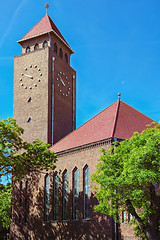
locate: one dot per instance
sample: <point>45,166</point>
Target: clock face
<point>63,83</point>
<point>30,77</point>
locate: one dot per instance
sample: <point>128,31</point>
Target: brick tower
<point>44,84</point>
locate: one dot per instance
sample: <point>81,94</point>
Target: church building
<point>59,205</point>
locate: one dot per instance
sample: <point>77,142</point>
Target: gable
<point>118,120</point>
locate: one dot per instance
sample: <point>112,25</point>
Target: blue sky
<point>116,45</point>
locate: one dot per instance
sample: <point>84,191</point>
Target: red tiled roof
<point>43,26</point>
<point>118,120</point>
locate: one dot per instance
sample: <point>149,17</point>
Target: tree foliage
<point>5,206</point>
<point>128,177</point>
<point>18,157</point>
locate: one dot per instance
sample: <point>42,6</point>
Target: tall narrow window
<point>86,192</point>
<point>26,187</point>
<point>56,197</point>
<point>29,120</point>
<point>47,196</point>
<point>65,195</point>
<point>75,193</point>
<point>66,58</point>
<point>28,49</point>
<point>36,47</point>
<point>60,53</point>
<point>55,47</point>
<point>45,44</point>
<point>124,216</point>
<point>20,185</point>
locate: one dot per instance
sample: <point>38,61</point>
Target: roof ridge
<point>84,124</point>
<point>116,118</point>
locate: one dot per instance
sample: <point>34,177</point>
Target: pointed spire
<point>46,6</point>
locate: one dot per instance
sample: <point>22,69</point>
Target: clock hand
<point>62,81</point>
<point>28,76</point>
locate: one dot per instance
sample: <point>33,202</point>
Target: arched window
<point>65,195</point>
<point>60,53</point>
<point>55,197</point>
<point>28,49</point>
<point>55,47</point>
<point>36,47</point>
<point>66,58</point>
<point>26,187</point>
<point>45,44</point>
<point>20,219</point>
<point>29,120</point>
<point>20,185</point>
<point>30,100</point>
<point>20,202</point>
<point>86,177</point>
<point>47,196</point>
<point>75,193</point>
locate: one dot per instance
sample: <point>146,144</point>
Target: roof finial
<point>119,96</point>
<point>46,6</point>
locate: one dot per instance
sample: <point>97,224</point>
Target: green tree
<point>18,157</point>
<point>5,206</point>
<point>128,177</point>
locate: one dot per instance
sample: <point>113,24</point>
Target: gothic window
<point>75,193</point>
<point>60,53</point>
<point>36,47</point>
<point>130,217</point>
<point>55,47</point>
<point>20,202</point>
<point>56,197</point>
<point>45,44</point>
<point>124,216</point>
<point>29,120</point>
<point>86,177</point>
<point>25,219</point>
<point>28,49</point>
<point>47,196</point>
<point>26,203</point>
<point>30,100</point>
<point>26,185</point>
<point>20,219</point>
<point>65,194</point>
<point>20,185</point>
<point>66,58</point>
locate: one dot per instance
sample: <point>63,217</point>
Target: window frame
<point>65,198</point>
<point>56,197</point>
<point>75,214</point>
<point>86,191</point>
<point>46,197</point>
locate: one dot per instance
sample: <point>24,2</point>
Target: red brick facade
<point>45,106</point>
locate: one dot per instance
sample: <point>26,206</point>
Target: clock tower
<point>44,84</point>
